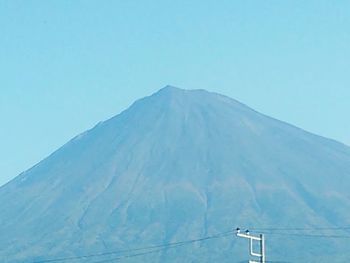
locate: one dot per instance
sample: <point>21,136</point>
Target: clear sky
<point>66,65</point>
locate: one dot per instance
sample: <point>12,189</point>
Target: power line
<point>168,246</point>
<point>301,229</point>
<point>284,232</point>
<point>160,247</point>
<point>157,248</point>
<point>308,235</point>
<point>137,254</point>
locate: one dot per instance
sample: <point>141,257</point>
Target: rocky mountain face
<point>180,165</point>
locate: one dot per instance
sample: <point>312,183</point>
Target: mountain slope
<point>174,166</point>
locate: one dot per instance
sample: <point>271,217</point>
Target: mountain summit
<point>178,165</point>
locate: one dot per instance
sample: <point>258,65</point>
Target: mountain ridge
<point>175,165</point>
<point>169,90</point>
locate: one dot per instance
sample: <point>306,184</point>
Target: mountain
<point>180,165</point>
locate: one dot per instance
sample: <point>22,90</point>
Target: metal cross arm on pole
<point>260,239</point>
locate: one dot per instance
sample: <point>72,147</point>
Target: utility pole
<point>260,239</point>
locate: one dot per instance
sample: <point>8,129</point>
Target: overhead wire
<point>300,231</point>
<point>152,248</point>
<point>141,251</point>
<point>307,235</point>
<point>177,244</point>
<point>300,228</point>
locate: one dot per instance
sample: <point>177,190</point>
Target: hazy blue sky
<point>65,65</point>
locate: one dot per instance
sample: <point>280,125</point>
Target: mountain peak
<point>171,97</point>
<point>169,90</point>
<point>176,165</point>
